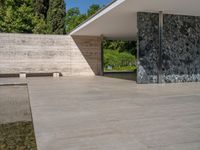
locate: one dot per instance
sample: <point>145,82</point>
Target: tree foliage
<point>118,61</point>
<point>2,2</point>
<point>18,16</point>
<point>30,16</point>
<point>41,8</point>
<point>56,17</point>
<point>75,18</point>
<point>121,46</point>
<point>119,55</point>
<point>93,9</point>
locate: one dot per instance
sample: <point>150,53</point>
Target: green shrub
<point>118,61</point>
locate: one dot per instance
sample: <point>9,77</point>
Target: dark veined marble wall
<point>180,48</point>
<point>148,45</point>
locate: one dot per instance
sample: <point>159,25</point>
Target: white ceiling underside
<point>119,20</point>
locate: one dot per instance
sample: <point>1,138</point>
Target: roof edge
<point>98,14</point>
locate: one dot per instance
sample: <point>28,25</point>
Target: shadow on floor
<point>121,75</point>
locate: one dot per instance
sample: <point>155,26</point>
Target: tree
<point>74,18</point>
<point>121,46</point>
<point>19,16</point>
<point>56,17</point>
<point>2,2</point>
<point>93,9</point>
<point>118,61</point>
<point>41,8</point>
<point>1,11</point>
<point>130,47</point>
<point>40,26</point>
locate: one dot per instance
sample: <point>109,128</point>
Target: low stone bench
<point>54,74</point>
<point>24,74</point>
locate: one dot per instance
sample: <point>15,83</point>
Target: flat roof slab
<point>119,20</point>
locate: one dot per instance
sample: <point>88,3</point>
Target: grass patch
<point>17,136</point>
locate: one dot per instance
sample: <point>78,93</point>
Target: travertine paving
<point>98,113</point>
<point>14,104</point>
<point>16,126</point>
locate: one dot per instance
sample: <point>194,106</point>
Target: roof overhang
<point>119,19</point>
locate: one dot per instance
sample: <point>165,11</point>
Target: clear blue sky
<point>84,4</point>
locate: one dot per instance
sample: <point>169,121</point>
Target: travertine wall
<point>180,48</point>
<point>50,53</point>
